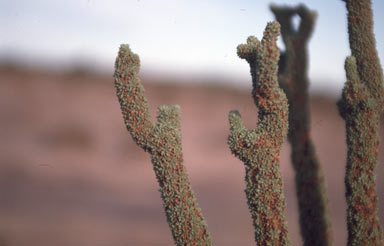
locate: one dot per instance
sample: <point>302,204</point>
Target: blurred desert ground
<point>70,174</point>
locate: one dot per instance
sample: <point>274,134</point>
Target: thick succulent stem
<point>363,46</point>
<point>310,182</point>
<point>361,105</point>
<point>259,148</point>
<point>163,142</point>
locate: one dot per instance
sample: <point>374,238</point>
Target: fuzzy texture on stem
<point>310,182</point>
<point>163,142</point>
<point>259,148</point>
<point>361,104</point>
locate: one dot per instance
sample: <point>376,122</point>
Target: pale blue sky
<point>171,36</point>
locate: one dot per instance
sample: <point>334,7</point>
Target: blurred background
<point>70,173</point>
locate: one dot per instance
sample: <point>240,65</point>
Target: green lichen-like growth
<point>259,148</point>
<point>310,182</point>
<point>162,141</point>
<point>361,104</point>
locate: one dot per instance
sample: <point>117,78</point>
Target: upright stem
<point>259,149</point>
<point>361,105</point>
<point>163,142</point>
<point>310,182</point>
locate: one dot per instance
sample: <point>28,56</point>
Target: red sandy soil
<point>70,174</point>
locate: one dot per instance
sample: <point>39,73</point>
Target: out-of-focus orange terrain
<point>70,174</point>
